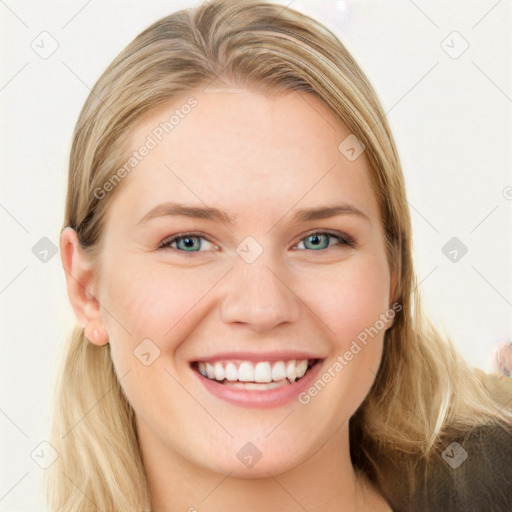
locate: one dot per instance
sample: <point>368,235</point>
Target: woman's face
<point>255,181</point>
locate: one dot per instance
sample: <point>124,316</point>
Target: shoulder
<point>472,473</point>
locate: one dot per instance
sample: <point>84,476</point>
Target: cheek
<point>351,302</point>
<point>351,298</point>
<point>156,302</point>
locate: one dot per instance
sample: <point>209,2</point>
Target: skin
<point>260,158</point>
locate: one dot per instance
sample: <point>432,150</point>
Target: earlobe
<point>80,275</point>
<point>96,334</point>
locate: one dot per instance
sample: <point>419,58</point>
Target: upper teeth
<point>247,371</point>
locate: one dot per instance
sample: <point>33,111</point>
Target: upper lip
<point>284,355</point>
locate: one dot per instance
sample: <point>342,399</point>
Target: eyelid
<point>165,243</point>
<point>344,239</point>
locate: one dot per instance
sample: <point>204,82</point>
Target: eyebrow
<point>214,214</point>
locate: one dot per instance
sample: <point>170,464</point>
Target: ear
<point>81,286</point>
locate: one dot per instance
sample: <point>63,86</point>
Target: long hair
<point>423,391</point>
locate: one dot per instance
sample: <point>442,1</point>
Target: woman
<point>237,249</point>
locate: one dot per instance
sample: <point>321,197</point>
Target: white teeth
<point>256,387</point>
<point>219,371</point>
<point>231,372</point>
<point>278,371</point>
<point>262,372</point>
<point>210,372</point>
<point>301,368</point>
<point>246,372</point>
<point>291,373</point>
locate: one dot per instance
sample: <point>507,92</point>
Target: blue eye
<point>186,242</point>
<point>193,242</point>
<point>321,240</point>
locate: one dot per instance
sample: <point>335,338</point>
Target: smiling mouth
<point>249,375</point>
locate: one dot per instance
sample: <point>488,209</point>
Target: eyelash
<point>341,238</point>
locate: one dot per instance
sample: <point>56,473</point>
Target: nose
<point>257,294</point>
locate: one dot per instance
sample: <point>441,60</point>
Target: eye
<point>320,240</point>
<point>186,242</point>
<point>193,242</point>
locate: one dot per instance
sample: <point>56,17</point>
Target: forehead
<point>246,152</point>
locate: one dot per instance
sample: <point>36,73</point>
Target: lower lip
<point>261,399</point>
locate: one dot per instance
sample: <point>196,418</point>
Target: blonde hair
<point>424,389</point>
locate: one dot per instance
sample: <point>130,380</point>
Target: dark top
<point>472,474</point>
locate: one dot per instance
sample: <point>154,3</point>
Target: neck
<point>326,481</point>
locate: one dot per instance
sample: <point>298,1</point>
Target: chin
<point>258,459</point>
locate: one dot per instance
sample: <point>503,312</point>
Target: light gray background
<point>450,117</point>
